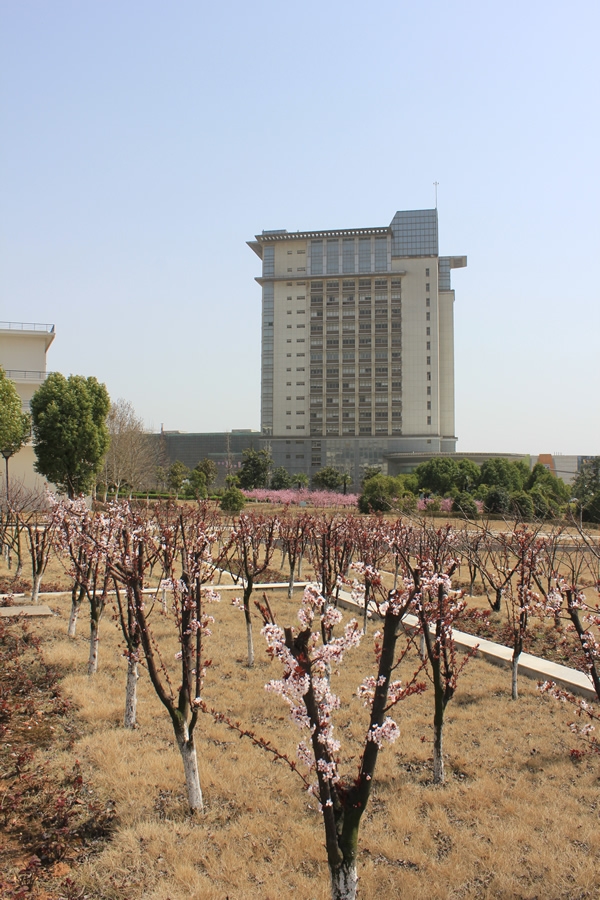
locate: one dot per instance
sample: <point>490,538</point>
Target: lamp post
<point>7,455</point>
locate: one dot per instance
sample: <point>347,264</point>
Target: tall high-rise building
<point>357,344</point>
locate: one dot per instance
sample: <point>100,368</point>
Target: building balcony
<point>26,376</point>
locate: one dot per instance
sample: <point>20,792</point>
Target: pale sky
<point>143,143</point>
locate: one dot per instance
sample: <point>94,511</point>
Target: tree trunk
<point>344,881</point>
<point>299,566</point>
<point>131,693</point>
<point>190,768</point>
<point>250,642</point>
<point>291,583</point>
<point>76,600</point>
<point>94,641</point>
<point>73,619</point>
<point>35,590</point>
<point>438,752</point>
<point>515,675</point>
<point>498,601</point>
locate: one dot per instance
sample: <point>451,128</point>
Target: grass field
<point>518,818</point>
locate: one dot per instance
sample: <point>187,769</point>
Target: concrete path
<point>531,666</point>
<point>11,612</point>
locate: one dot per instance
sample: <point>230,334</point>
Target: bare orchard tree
<point>253,541</point>
<point>526,548</point>
<point>428,559</point>
<point>84,538</point>
<point>488,551</point>
<point>293,538</point>
<point>189,536</point>
<point>38,523</point>
<point>130,461</point>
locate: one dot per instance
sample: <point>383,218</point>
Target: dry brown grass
<point>517,817</point>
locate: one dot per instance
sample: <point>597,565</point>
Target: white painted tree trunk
<point>291,583</point>
<point>131,693</point>
<point>438,754</point>
<point>299,566</point>
<point>94,641</point>
<point>190,767</point>
<point>250,644</point>
<point>73,620</point>
<point>515,675</point>
<point>344,882</point>
<point>35,590</point>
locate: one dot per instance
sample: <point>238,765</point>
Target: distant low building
<point>23,348</point>
<point>224,448</point>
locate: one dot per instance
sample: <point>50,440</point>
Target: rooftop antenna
<point>435,184</point>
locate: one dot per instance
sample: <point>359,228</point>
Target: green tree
<point>502,473</point>
<point>197,486</point>
<point>301,480</point>
<point>255,469</point>
<point>369,472</point>
<point>328,479</point>
<point>587,483</point>
<point>543,480</point>
<point>591,511</point>
<point>438,475</point>
<point>15,425</point>
<point>233,500</point>
<point>177,476</point>
<point>209,470</point>
<point>281,479</point>
<point>521,505</point>
<point>465,506</point>
<point>497,500</point>
<point>380,494</point>
<point>70,434</point>
<point>468,475</point>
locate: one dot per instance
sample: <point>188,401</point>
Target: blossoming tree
<point>305,685</point>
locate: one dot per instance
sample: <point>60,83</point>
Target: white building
<point>23,348</point>
<point>357,344</point>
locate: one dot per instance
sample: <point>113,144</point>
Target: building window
<point>348,255</point>
<point>428,360</point>
<point>380,254</point>
<point>364,255</point>
<point>333,263</point>
<point>428,317</point>
<point>426,270</point>
<point>269,261</point>
<point>429,404</point>
<point>428,302</point>
<point>429,392</point>
<point>316,257</point>
<point>428,331</point>
<point>427,287</point>
<point>429,376</point>
<point>429,345</point>
<point>429,420</point>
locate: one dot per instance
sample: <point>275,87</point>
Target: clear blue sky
<point>143,143</point>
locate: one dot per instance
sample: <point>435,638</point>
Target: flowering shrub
<point>292,497</point>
